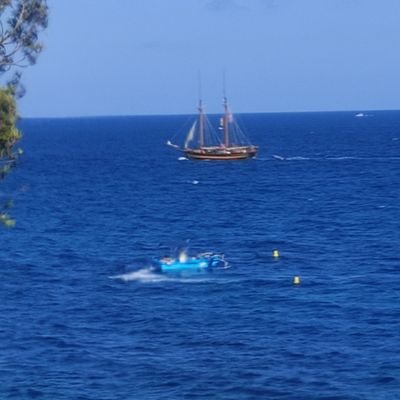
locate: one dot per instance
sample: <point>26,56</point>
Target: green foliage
<point>6,220</point>
<point>21,22</point>
<point>9,134</point>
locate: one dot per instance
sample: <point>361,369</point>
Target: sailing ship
<point>203,142</point>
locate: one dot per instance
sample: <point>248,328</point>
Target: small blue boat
<point>203,263</point>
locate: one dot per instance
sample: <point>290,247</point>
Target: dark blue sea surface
<point>82,317</point>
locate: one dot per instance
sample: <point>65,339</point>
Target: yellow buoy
<point>296,280</point>
<point>275,254</point>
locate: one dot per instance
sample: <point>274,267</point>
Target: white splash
<point>298,158</point>
<point>339,158</point>
<point>142,275</point>
<point>146,276</point>
<point>182,256</point>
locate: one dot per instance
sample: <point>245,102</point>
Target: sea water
<point>83,317</point>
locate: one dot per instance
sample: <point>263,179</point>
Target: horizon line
<point>213,113</point>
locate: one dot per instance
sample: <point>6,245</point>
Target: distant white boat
<point>360,115</point>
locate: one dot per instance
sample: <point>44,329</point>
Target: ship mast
<point>201,124</point>
<point>226,122</point>
<point>201,113</point>
<point>226,113</point>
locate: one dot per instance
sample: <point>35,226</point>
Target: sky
<point>141,57</point>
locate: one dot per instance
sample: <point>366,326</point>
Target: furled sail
<point>221,124</point>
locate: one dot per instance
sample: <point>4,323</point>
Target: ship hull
<point>188,267</point>
<point>195,265</point>
<point>240,153</point>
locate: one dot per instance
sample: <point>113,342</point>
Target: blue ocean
<point>83,317</point>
